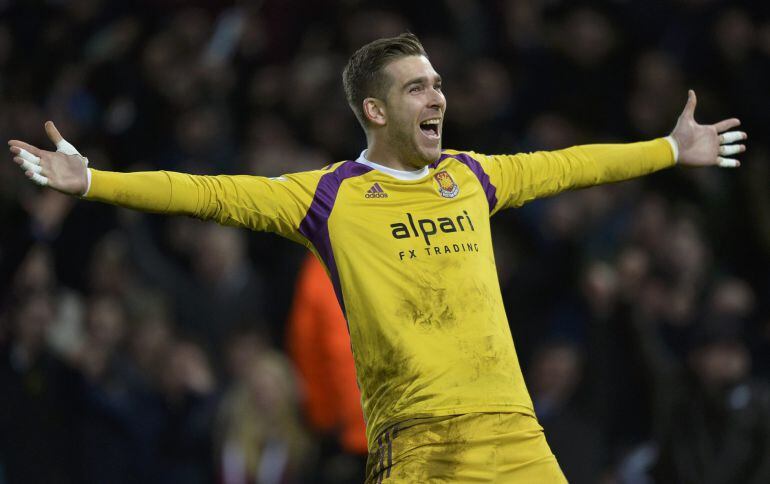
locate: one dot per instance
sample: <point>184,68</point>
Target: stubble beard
<point>409,152</point>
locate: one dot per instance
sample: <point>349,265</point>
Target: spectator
<point>38,434</point>
<point>259,436</point>
<point>712,419</point>
<point>319,345</point>
<point>575,440</point>
<point>186,452</point>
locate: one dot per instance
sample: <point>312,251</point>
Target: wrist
<point>674,147</point>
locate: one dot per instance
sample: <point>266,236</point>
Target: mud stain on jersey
<point>429,308</point>
<point>387,365</point>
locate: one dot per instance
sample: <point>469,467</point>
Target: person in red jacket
<point>319,345</point>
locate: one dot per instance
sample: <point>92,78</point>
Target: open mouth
<point>430,128</point>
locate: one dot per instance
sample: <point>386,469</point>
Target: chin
<point>430,155</point>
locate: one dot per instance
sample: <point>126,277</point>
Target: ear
<point>374,111</point>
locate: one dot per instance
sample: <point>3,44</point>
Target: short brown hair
<point>364,77</point>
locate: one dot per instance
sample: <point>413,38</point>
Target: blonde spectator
<point>258,434</point>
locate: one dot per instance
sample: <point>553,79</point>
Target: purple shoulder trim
<point>315,225</point>
<point>441,158</point>
<point>489,189</point>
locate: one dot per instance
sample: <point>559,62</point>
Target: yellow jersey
<point>410,257</point>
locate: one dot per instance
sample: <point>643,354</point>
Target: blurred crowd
<point>140,348</point>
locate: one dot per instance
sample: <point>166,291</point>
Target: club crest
<point>446,185</point>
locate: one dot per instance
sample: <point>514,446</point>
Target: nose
<point>437,100</point>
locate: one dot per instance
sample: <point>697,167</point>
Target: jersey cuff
<point>88,182</point>
<point>674,147</point>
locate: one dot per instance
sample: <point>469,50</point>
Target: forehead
<point>411,67</point>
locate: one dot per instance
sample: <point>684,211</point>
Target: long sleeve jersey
<point>411,260</point>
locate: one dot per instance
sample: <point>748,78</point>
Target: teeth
<point>431,121</point>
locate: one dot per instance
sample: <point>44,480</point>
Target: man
<point>404,234</point>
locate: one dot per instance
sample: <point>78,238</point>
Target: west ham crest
<point>446,186</point>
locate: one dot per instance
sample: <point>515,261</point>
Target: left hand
<point>706,144</point>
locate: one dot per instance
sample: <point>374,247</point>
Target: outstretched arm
<point>259,203</point>
<point>520,178</point>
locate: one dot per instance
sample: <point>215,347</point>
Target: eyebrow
<point>420,80</point>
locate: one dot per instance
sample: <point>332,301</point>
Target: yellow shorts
<point>477,447</point>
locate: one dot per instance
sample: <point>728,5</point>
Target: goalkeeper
<point>404,233</point>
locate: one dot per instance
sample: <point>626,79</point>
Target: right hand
<point>64,170</point>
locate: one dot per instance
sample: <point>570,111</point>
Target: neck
<point>382,153</point>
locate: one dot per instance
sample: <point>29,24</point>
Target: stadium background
<point>640,310</point>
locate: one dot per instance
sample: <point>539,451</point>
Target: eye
<point>437,87</point>
<point>415,88</point>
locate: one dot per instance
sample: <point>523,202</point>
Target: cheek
<point>406,110</point>
<point>402,116</point>
<point>402,125</point>
<point>404,134</point>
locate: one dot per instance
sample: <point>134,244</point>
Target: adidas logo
<point>376,192</point>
